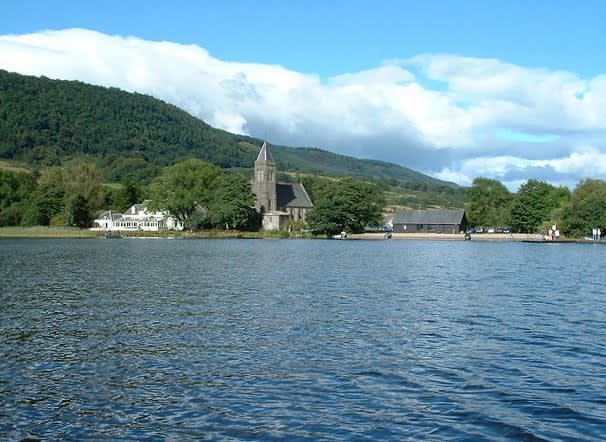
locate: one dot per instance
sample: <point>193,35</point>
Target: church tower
<point>265,181</point>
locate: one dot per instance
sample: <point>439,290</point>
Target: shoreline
<point>535,238</point>
<point>72,232</point>
<point>476,237</point>
<point>512,237</point>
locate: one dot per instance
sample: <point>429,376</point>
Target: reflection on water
<point>312,340</point>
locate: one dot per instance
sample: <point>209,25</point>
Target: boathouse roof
<point>430,216</point>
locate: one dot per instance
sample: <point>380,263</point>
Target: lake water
<point>134,339</point>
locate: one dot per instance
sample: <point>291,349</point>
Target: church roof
<point>292,195</point>
<point>265,153</point>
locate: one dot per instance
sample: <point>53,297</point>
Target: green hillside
<point>44,122</point>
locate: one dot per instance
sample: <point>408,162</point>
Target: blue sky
<point>332,37</point>
<point>488,85</point>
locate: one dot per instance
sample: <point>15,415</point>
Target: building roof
<point>110,215</point>
<point>429,216</point>
<point>265,153</point>
<point>292,195</point>
<point>136,208</point>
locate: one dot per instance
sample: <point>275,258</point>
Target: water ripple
<point>301,340</point>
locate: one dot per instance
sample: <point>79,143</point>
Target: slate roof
<point>265,153</point>
<point>454,217</point>
<point>134,209</point>
<point>292,195</point>
<point>110,215</point>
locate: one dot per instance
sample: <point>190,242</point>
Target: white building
<point>138,217</point>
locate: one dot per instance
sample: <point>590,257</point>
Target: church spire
<point>265,181</point>
<point>265,153</point>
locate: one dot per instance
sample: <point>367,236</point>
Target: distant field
<point>113,185</point>
<point>12,167</point>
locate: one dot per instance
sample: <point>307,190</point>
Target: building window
<point>419,226</point>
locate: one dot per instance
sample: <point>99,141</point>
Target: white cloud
<point>440,114</point>
<point>530,98</point>
<point>387,74</point>
<point>587,162</point>
<point>454,176</point>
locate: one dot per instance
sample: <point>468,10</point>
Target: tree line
<point>538,205</point>
<point>67,195</point>
<point>199,194</point>
<point>202,195</point>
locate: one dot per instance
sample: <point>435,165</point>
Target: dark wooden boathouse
<point>430,221</point>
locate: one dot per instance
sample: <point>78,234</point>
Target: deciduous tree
<point>233,203</point>
<point>185,187</point>
<point>16,189</point>
<point>534,204</point>
<point>587,209</point>
<point>489,203</point>
<point>49,198</point>
<point>56,190</point>
<point>82,177</point>
<point>78,211</point>
<point>345,205</point>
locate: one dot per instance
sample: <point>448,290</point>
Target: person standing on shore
<point>594,233</point>
<point>599,234</point>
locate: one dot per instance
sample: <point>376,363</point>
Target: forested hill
<point>44,121</point>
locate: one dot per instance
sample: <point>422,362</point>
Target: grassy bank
<point>210,234</point>
<point>73,232</point>
<point>46,232</point>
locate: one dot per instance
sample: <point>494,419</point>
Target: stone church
<point>278,202</point>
